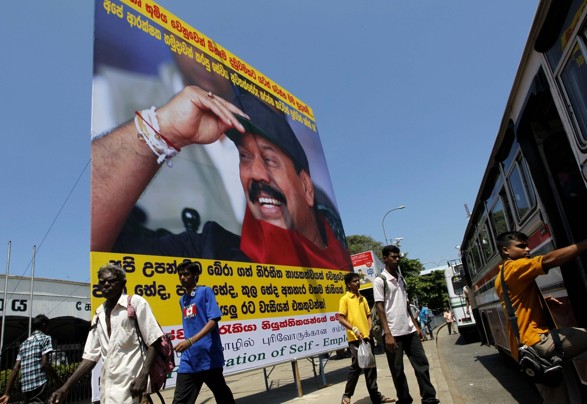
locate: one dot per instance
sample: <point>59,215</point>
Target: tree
<point>430,288</point>
<point>358,243</point>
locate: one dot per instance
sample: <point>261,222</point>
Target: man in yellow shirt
<point>534,321</point>
<point>354,315</point>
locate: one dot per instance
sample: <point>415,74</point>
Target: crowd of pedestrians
<point>117,341</point>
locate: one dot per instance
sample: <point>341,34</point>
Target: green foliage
<point>64,371</point>
<point>4,377</point>
<point>430,288</point>
<point>358,243</point>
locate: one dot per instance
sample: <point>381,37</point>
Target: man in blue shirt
<point>34,364</point>
<point>425,315</point>
<point>202,359</point>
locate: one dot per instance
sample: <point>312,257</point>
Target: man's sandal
<point>345,400</point>
<point>387,400</point>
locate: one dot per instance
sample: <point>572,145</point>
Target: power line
<point>53,222</point>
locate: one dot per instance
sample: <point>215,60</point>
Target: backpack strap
<point>508,304</point>
<point>384,279</point>
<point>132,315</point>
<point>130,310</point>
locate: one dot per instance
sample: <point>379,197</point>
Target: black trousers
<point>412,346</point>
<point>188,385</point>
<point>355,372</point>
<point>38,395</point>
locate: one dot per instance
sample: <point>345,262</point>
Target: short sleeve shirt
<point>395,302</point>
<point>197,309</point>
<point>525,296</point>
<point>356,310</point>
<point>121,351</point>
<point>29,354</point>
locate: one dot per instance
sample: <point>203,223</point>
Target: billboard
<point>368,266</point>
<point>174,179</point>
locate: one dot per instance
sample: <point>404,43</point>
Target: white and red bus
<point>455,281</point>
<point>536,177</point>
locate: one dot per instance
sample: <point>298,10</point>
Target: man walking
<point>534,321</point>
<point>202,359</point>
<point>450,319</point>
<point>354,315</point>
<point>400,330</point>
<point>425,315</point>
<point>34,364</point>
<point>114,338</point>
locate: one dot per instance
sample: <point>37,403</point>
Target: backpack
<point>376,328</point>
<point>164,362</point>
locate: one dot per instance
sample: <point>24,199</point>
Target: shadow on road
<point>478,373</point>
<point>505,371</point>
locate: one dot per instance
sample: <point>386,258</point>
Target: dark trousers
<point>188,385</point>
<point>412,346</point>
<point>38,395</point>
<point>355,372</point>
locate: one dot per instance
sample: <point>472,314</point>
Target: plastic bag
<point>365,356</point>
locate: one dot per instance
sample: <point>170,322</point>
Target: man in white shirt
<point>114,339</point>
<point>400,330</point>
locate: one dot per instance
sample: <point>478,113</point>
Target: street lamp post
<point>383,220</point>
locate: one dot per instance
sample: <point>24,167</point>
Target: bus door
<point>560,185</point>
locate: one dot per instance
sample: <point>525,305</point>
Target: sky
<point>408,97</point>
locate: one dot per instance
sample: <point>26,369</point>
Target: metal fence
<point>64,359</point>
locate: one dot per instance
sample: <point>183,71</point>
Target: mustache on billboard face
<point>257,188</point>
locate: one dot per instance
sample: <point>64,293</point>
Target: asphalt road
<point>477,373</point>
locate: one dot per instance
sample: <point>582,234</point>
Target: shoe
<point>387,400</point>
<point>345,400</point>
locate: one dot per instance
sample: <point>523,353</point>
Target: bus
<point>536,178</point>
<point>455,282</point>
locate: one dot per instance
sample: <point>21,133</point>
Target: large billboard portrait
<point>198,156</point>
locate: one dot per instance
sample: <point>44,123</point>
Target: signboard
<point>368,266</point>
<point>54,298</point>
<point>256,209</point>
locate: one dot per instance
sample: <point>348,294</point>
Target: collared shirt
<point>197,309</point>
<point>121,352</point>
<point>356,310</point>
<point>29,354</point>
<point>395,302</point>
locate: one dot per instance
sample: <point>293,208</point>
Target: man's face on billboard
<point>275,192</point>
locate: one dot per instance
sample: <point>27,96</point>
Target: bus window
<point>486,244</point>
<point>470,263</point>
<point>476,256</point>
<point>523,195</point>
<point>500,215</point>
<point>458,283</point>
<point>574,78</point>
